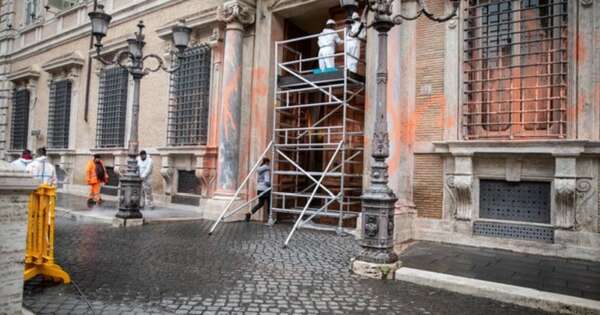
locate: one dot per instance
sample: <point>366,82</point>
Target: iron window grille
<point>59,114</point>
<point>515,69</point>
<point>20,120</point>
<point>190,98</point>
<point>112,108</point>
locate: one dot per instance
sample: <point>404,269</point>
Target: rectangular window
<point>112,108</point>
<point>20,120</point>
<point>59,114</point>
<point>32,11</point>
<point>515,69</point>
<point>190,98</point>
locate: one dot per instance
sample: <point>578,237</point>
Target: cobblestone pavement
<point>242,269</point>
<point>566,276</point>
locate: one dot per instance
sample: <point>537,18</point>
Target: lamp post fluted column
<point>378,200</point>
<point>130,181</point>
<point>377,258</point>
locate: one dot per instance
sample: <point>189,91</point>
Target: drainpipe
<point>89,75</point>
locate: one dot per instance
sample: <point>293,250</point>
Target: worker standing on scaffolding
<point>328,39</point>
<point>355,36</point>
<point>263,187</point>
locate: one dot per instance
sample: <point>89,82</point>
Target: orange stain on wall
<point>228,91</point>
<point>260,90</point>
<point>581,49</point>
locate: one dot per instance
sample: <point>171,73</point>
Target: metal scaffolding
<point>317,135</point>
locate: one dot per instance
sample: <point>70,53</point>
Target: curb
<point>551,302</point>
<point>82,217</point>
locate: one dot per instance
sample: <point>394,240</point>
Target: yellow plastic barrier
<point>39,257</point>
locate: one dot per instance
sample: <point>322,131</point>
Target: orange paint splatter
<point>228,92</point>
<point>581,49</point>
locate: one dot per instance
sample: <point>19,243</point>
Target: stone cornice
<point>196,20</point>
<point>31,72</point>
<point>191,150</point>
<point>548,147</point>
<point>279,5</point>
<point>71,60</point>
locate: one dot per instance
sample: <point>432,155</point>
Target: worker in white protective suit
<point>353,38</point>
<point>328,40</point>
<point>144,163</point>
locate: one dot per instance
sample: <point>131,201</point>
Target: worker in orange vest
<point>95,175</point>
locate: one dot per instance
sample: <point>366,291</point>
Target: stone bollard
<point>15,187</point>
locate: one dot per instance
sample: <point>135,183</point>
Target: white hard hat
<point>355,16</point>
<point>330,22</point>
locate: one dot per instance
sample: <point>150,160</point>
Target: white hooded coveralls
<point>145,169</point>
<point>328,39</point>
<point>42,170</point>
<point>353,45</point>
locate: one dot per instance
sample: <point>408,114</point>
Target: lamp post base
<point>119,222</point>
<point>380,271</point>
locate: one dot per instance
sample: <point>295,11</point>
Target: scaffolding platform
<point>326,78</point>
<point>318,137</point>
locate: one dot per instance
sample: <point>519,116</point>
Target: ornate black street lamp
<point>133,61</point>
<point>378,199</point>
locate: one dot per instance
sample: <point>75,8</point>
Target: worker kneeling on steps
<point>263,186</point>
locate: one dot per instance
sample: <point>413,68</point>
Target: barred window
<point>189,103</point>
<point>59,114</point>
<point>112,108</point>
<point>20,120</point>
<point>515,69</point>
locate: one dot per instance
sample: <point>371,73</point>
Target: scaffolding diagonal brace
<point>299,220</point>
<point>237,192</point>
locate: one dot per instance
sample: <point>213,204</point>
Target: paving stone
<point>559,275</point>
<point>177,269</point>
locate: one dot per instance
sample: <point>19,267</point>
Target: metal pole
<point>378,200</point>
<point>130,182</point>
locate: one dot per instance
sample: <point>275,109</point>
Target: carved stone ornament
<point>371,226</point>
<point>587,3</point>
<point>565,197</point>
<point>215,37</point>
<point>207,178</point>
<point>235,11</point>
<point>453,23</point>
<point>584,194</point>
<point>460,188</point>
<point>167,171</point>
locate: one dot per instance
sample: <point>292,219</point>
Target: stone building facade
<point>494,116</point>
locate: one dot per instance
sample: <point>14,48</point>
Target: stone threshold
<point>547,301</point>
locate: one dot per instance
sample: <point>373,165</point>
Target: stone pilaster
<point>15,187</point>
<point>236,15</point>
